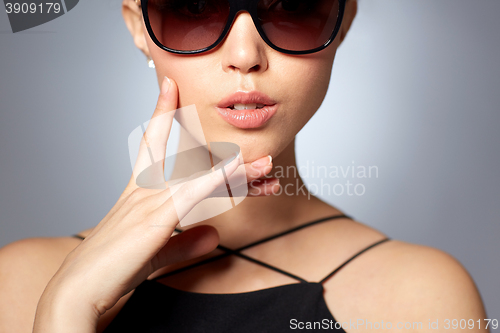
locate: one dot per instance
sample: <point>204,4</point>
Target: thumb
<point>187,245</point>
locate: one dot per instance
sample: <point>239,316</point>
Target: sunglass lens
<point>298,25</point>
<point>187,25</point>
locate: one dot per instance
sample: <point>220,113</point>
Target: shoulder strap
<point>227,253</point>
<point>354,256</point>
<point>236,252</point>
<point>294,229</point>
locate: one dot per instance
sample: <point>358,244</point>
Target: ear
<point>351,8</point>
<point>132,14</point>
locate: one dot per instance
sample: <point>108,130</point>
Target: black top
<point>157,308</point>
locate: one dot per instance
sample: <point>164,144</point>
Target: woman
<point>116,279</point>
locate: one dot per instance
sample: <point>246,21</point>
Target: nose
<point>243,49</point>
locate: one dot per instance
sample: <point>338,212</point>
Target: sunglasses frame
<point>235,7</point>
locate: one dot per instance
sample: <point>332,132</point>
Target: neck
<point>257,217</point>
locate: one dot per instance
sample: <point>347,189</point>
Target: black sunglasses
<point>288,26</point>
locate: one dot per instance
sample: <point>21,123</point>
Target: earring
<point>151,63</point>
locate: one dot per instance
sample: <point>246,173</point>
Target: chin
<point>253,144</point>
<point>271,139</point>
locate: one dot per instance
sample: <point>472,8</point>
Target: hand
<point>127,246</point>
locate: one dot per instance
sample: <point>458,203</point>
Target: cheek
<point>191,78</point>
<point>317,78</point>
<point>189,72</point>
<point>307,81</point>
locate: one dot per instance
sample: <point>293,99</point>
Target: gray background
<point>415,92</point>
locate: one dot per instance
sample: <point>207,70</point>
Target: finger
<point>257,188</point>
<point>259,168</point>
<point>255,169</point>
<point>244,174</point>
<point>183,197</point>
<point>189,244</point>
<point>153,198</point>
<point>263,187</point>
<point>260,188</point>
<point>148,169</point>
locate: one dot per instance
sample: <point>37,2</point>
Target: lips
<point>247,109</point>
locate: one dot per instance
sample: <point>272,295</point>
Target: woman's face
<point>244,62</point>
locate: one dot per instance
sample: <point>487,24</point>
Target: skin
<point>395,281</point>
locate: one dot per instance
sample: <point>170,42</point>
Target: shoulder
<point>41,255</point>
<point>403,282</point>
<point>26,266</point>
<point>426,273</point>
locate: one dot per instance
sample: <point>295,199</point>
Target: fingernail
<point>263,161</point>
<point>165,86</point>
